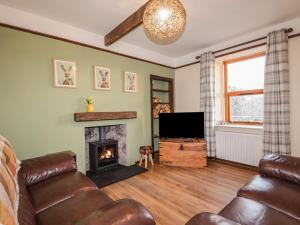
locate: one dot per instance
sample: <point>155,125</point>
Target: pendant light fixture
<point>164,21</point>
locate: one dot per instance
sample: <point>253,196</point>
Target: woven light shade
<point>164,21</point>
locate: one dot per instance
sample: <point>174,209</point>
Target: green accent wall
<point>38,118</point>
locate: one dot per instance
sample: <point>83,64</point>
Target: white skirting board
<point>243,148</point>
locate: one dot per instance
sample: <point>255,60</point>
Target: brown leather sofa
<point>270,198</point>
<point>53,192</point>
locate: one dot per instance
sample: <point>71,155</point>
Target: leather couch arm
<point>281,167</point>
<point>210,219</point>
<point>121,212</point>
<point>42,168</point>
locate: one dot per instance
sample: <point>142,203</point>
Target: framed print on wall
<point>64,73</point>
<point>130,82</point>
<point>102,78</point>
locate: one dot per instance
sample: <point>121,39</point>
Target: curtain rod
<point>289,30</point>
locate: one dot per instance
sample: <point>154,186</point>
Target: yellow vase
<point>90,108</point>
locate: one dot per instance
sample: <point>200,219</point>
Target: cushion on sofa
<point>210,219</point>
<point>45,167</point>
<point>72,210</point>
<point>9,193</point>
<point>278,194</point>
<point>121,212</point>
<point>281,166</point>
<point>247,212</point>
<point>57,189</point>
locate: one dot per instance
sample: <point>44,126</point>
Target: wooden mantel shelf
<point>98,116</point>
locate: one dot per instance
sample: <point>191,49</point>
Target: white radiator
<point>239,147</point>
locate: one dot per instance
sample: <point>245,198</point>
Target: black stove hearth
<point>103,155</point>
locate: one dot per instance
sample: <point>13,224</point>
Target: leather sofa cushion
<point>210,219</point>
<point>249,212</point>
<point>72,210</point>
<point>45,167</point>
<point>281,166</point>
<point>57,189</point>
<point>121,212</point>
<point>278,194</point>
<point>26,212</point>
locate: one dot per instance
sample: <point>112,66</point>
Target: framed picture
<point>102,78</point>
<point>130,82</point>
<point>64,73</point>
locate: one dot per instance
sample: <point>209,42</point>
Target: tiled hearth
<point>115,132</point>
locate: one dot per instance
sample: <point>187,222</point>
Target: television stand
<point>183,152</point>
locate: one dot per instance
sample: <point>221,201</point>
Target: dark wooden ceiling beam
<point>132,22</point>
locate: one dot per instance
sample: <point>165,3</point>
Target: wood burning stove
<point>103,155</point>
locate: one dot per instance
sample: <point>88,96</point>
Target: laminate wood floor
<point>174,195</point>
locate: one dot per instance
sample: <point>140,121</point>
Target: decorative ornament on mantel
<point>164,21</point>
<point>90,105</point>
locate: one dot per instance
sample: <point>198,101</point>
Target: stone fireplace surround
<point>115,132</point>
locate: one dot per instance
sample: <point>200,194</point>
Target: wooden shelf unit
<point>154,91</point>
<point>161,103</point>
<point>160,90</point>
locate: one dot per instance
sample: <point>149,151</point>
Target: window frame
<point>229,94</point>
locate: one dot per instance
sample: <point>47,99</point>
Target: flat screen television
<point>181,125</point>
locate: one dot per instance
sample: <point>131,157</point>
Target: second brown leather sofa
<point>270,198</point>
<point>53,192</point>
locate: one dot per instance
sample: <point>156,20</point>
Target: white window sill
<point>234,128</point>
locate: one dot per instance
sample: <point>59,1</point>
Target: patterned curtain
<point>276,95</point>
<point>207,99</point>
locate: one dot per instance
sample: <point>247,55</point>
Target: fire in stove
<point>106,154</point>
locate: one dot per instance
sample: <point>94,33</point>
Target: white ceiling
<point>208,21</point>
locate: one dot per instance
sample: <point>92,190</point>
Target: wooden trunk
<point>183,154</point>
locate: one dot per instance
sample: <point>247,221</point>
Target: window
<point>244,83</point>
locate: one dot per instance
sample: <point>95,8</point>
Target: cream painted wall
<point>187,89</point>
<point>294,60</point>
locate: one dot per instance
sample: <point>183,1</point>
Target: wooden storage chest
<point>183,153</point>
